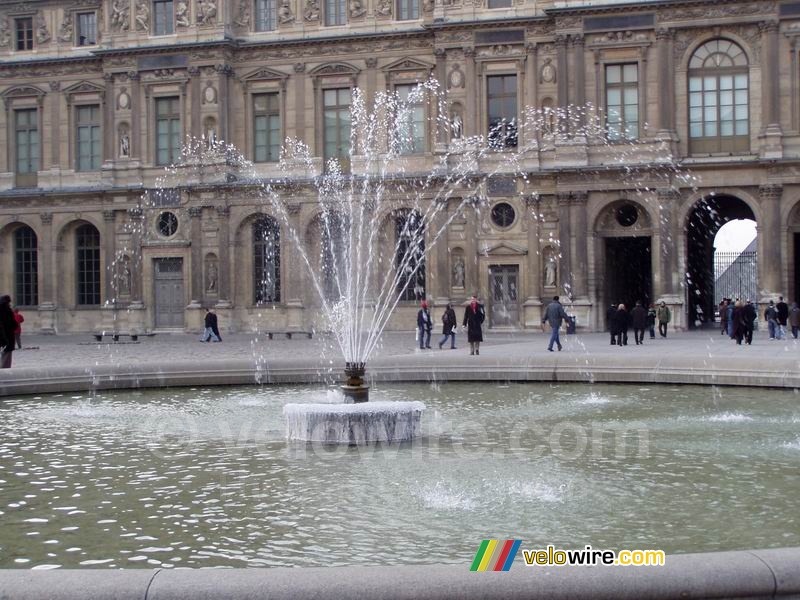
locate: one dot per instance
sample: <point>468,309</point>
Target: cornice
<point>486,23</point>
<point>628,7</point>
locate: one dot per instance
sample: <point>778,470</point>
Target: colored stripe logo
<point>495,555</point>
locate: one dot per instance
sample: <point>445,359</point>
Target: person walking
<point>771,317</point>
<point>730,308</point>
<point>794,319</point>
<point>623,321</point>
<point>611,315</point>
<point>783,317</point>
<point>424,325</point>
<point>474,316</point>
<point>209,323</point>
<point>749,316</point>
<point>554,314</point>
<point>739,322</point>
<point>651,321</point>
<point>723,316</point>
<point>215,326</point>
<point>8,326</point>
<point>448,327</point>
<point>18,331</point>
<point>639,321</point>
<point>664,316</point>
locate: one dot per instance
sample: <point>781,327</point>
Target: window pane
<point>726,128</point>
<point>631,73</point>
<point>741,128</point>
<point>710,83</point>
<point>631,95</point>
<point>710,129</point>
<point>695,84</point>
<point>696,130</point>
<point>741,82</point>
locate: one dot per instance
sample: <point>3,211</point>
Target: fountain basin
<point>353,424</point>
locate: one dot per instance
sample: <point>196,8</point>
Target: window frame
<point>88,287</point>
<point>341,16</point>
<point>77,20</point>
<point>344,161</point>
<point>410,7</point>
<point>505,4</point>
<point>267,113</point>
<point>408,294</point>
<point>489,97</point>
<point>622,85</point>
<point>273,14</point>
<point>259,249</point>
<point>169,19</point>
<point>423,106</point>
<point>97,125</point>
<point>26,280</point>
<point>27,38</point>
<point>27,178</point>
<point>171,117</point>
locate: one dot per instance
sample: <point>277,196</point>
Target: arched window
<point>266,261</point>
<point>718,99</point>
<point>87,255</point>
<point>26,267</point>
<point>410,255</point>
<point>334,239</point>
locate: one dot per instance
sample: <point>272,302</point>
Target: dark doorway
<point>705,220</point>
<point>629,271</point>
<point>504,297</point>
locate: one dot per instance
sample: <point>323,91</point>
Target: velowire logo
<point>495,555</point>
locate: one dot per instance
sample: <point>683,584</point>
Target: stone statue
<point>311,11</point>
<point>182,14</point>
<point>120,15</point>
<point>124,278</point>
<point>384,8</point>
<point>124,144</point>
<point>211,277</point>
<point>42,35</point>
<point>357,9</point>
<point>143,15</point>
<point>456,126</point>
<point>285,14</point>
<point>66,31</point>
<point>207,12</point>
<point>427,6</point>
<point>243,18</point>
<point>458,273</point>
<point>551,271</point>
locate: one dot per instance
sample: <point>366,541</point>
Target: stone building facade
<point>98,94</point>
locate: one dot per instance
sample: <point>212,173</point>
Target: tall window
<point>410,121</point>
<point>266,15</point>
<point>502,101</point>
<point>168,130</point>
<point>88,138</point>
<point>266,127</point>
<point>87,29</point>
<point>622,101</point>
<point>335,12</point>
<point>410,256</point>
<point>336,117</point>
<point>26,146</point>
<point>26,267</point>
<point>407,10</point>
<point>718,99</point>
<point>266,261</point>
<point>24,27</point>
<point>87,252</point>
<point>163,17</point>
<point>334,239</point>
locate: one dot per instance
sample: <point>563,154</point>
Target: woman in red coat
<point>18,331</point>
<point>474,316</point>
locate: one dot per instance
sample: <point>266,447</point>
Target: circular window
<point>167,224</point>
<point>627,215</point>
<point>503,214</point>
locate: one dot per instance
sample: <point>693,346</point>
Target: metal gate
<point>735,275</point>
<point>170,302</point>
<point>503,286</point>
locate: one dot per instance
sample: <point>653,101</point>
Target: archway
<point>705,271</point>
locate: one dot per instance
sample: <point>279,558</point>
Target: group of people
<point>474,316</point>
<point>738,318</point>
<point>640,319</point>
<point>10,331</point>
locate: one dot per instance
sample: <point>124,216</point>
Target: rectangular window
<point>266,15</point>
<point>335,12</point>
<point>86,33</point>
<point>266,127</point>
<point>410,120</point>
<point>27,141</point>
<point>407,10</point>
<point>24,27</point>
<point>502,102</point>
<point>499,3</point>
<point>336,124</point>
<point>163,17</point>
<point>168,130</point>
<point>87,254</point>
<point>622,101</point>
<point>87,138</point>
<point>26,269</point>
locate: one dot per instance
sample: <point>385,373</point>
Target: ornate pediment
<point>407,64</point>
<point>23,91</point>
<point>84,87</point>
<point>264,74</point>
<point>505,248</point>
<point>334,69</point>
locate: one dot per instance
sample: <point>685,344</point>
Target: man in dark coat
<point>8,324</point>
<point>424,325</point>
<point>611,315</point>
<point>749,315</point>
<point>474,316</point>
<point>449,325</point>
<point>210,324</point>
<point>215,326</point>
<point>639,321</point>
<point>554,314</point>
<point>622,322</point>
<point>783,316</point>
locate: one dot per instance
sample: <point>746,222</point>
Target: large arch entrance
<point>710,270</point>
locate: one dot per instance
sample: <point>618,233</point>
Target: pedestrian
<point>739,322</point>
<point>18,331</point>
<point>639,321</point>
<point>731,307</point>
<point>449,325</point>
<point>771,317</point>
<point>749,316</point>
<point>623,321</point>
<point>783,317</point>
<point>611,315</point>
<point>651,320</point>
<point>215,326</point>
<point>723,316</point>
<point>663,315</point>
<point>424,325</point>
<point>209,323</point>
<point>7,328</point>
<point>554,314</point>
<point>794,319</point>
<point>474,316</point>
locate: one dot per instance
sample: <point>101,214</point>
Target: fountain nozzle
<point>354,390</point>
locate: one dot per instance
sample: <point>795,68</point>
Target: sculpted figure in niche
<point>42,35</point>
<point>458,273</point>
<point>120,15</point>
<point>211,276</point>
<point>357,9</point>
<point>207,12</point>
<point>143,15</point>
<point>182,14</point>
<point>311,12</point>
<point>124,277</point>
<point>456,122</point>
<point>5,34</point>
<point>551,270</point>
<point>285,14</point>
<point>65,33</point>
<point>243,19</point>
<point>124,143</point>
<point>384,8</point>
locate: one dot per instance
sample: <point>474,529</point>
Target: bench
<point>115,335</point>
<point>289,334</point>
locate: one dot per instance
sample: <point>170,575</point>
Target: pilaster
<point>772,134</point>
<point>769,263</point>
<point>223,216</point>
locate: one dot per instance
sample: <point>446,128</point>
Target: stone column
<point>110,240</point>
<point>136,116</point>
<point>665,279</point>
<point>533,302</point>
<point>440,103</point>
<point>371,77</point>
<point>770,108</point>
<point>108,119</point>
<point>55,129</point>
<point>471,117</point>
<point>666,112</point>
<point>300,102</point>
<point>564,237</point>
<point>224,73</point>
<point>197,291</point>
<point>563,77</point>
<point>769,260</point>
<point>441,274</point>
<point>580,237</point>
<point>532,88</point>
<point>195,128</point>
<point>293,277</point>
<point>225,263</point>
<point>579,65</point>
<point>471,275</point>
<point>46,257</point>
<point>135,216</point>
